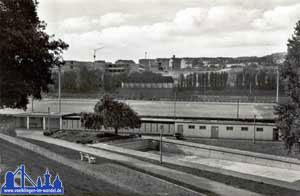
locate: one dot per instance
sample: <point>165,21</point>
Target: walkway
<point>129,181</point>
<point>195,181</point>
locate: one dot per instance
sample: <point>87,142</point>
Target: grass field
<point>74,182</point>
<point>160,108</point>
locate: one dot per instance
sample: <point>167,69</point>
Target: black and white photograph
<point>150,97</point>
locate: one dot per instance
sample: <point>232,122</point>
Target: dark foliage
<point>109,113</point>
<point>27,53</point>
<point>288,112</point>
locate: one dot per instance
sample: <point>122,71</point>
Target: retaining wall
<point>141,145</point>
<point>181,147</point>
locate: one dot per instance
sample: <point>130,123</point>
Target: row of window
<point>229,128</point>
<point>258,129</point>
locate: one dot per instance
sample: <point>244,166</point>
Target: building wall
<point>147,85</point>
<point>196,131</point>
<point>236,133</point>
<point>20,122</point>
<point>164,63</point>
<point>190,129</point>
<point>36,122</point>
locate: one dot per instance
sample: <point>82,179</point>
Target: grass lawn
<point>232,181</point>
<point>266,147</point>
<point>74,182</point>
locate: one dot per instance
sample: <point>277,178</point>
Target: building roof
<point>125,62</point>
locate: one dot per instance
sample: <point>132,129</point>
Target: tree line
<point>262,79</point>
<point>255,79</point>
<point>84,80</point>
<point>207,80</point>
<point>77,81</point>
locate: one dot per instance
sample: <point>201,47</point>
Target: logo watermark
<point>10,187</point>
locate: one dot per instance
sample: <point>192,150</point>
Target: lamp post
<point>32,98</point>
<point>254,127</point>
<point>48,118</point>
<point>175,99</point>
<point>277,89</point>
<point>59,89</point>
<point>94,60</point>
<point>160,146</point>
<point>238,109</point>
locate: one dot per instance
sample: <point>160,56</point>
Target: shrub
<point>100,135</point>
<point>49,133</point>
<point>84,141</point>
<point>107,134</point>
<point>179,136</point>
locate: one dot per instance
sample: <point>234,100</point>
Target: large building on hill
<point>148,85</point>
<point>148,82</point>
<point>149,64</point>
<point>123,67</point>
<point>115,69</point>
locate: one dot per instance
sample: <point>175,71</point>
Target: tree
<point>285,112</point>
<point>289,112</point>
<point>27,53</point>
<point>69,81</point>
<point>109,113</point>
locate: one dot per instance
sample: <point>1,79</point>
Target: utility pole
<point>32,98</point>
<point>161,146</point>
<point>238,109</point>
<point>59,89</point>
<point>254,127</point>
<point>94,60</point>
<point>250,90</point>
<point>277,89</point>
<point>175,99</point>
<point>48,118</point>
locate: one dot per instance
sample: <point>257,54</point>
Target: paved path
<point>277,173</point>
<point>195,181</point>
<point>247,168</point>
<point>129,180</point>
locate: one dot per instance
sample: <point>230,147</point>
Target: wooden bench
<point>84,156</point>
<point>92,160</point>
<point>87,157</point>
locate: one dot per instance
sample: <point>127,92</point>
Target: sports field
<point>164,108</point>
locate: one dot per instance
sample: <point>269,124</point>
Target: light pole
<point>32,98</point>
<point>48,118</point>
<point>160,146</point>
<point>94,57</point>
<point>175,103</point>
<point>238,109</point>
<point>59,89</point>
<point>254,127</point>
<point>277,89</point>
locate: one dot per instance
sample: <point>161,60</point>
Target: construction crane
<point>95,51</point>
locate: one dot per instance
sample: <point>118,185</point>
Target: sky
<point>126,29</point>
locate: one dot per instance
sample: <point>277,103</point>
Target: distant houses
<point>164,73</point>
